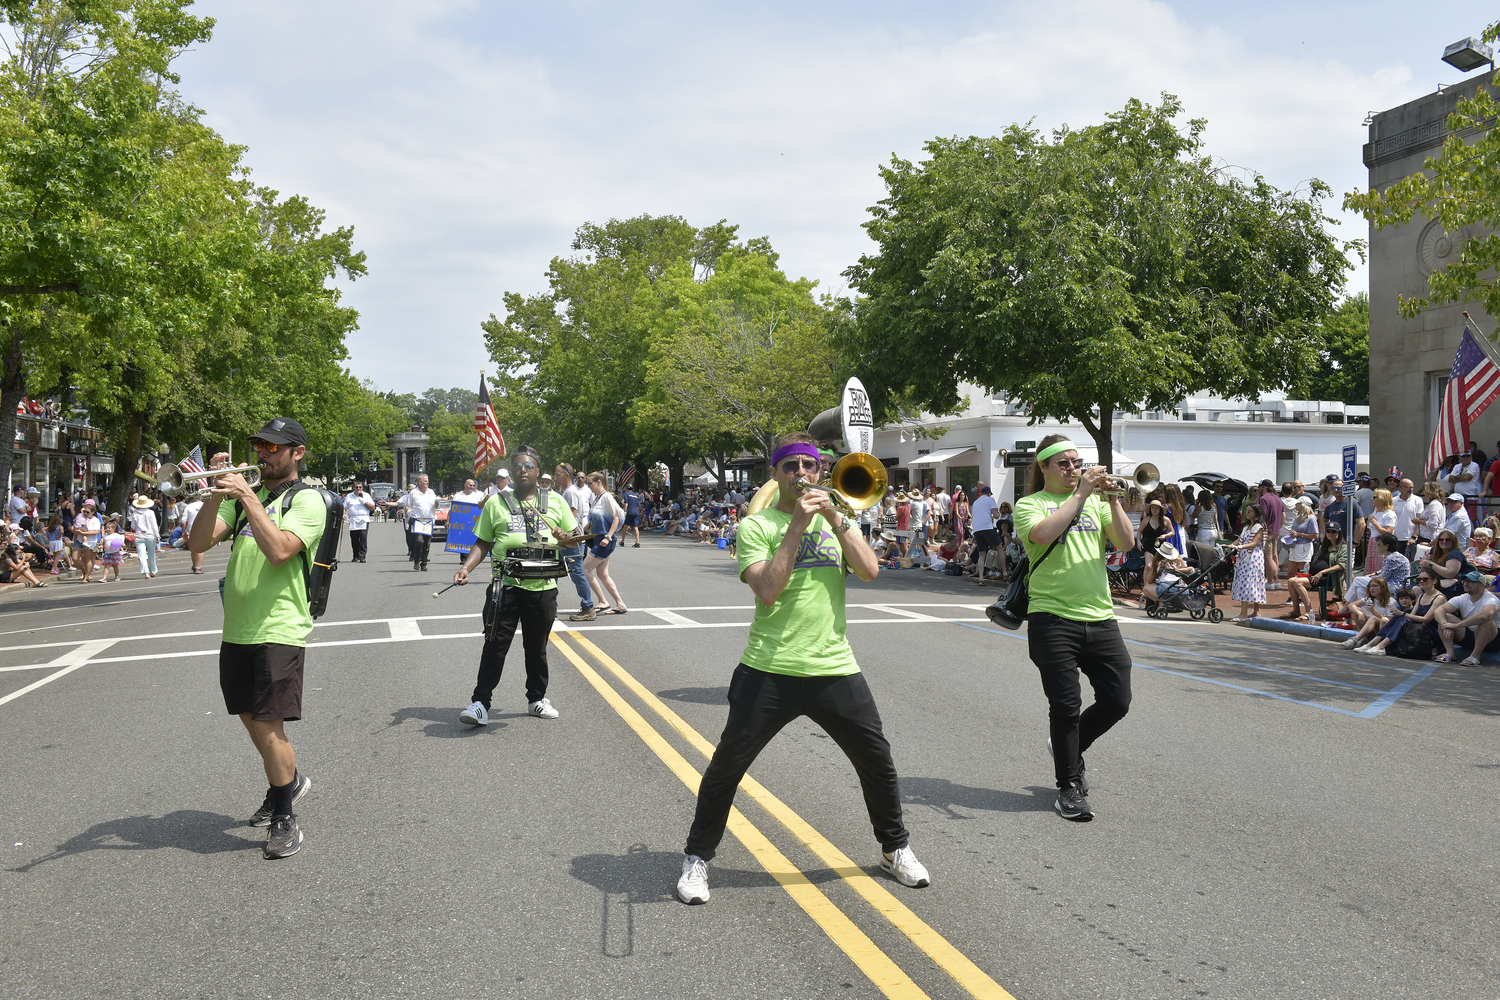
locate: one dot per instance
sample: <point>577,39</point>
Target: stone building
<point>1410,358</point>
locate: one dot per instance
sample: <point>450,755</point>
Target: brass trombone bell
<point>170,479</point>
<point>1146,478</point>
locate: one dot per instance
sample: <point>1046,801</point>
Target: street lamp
<point>1469,53</point>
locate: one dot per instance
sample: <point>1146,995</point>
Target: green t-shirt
<point>505,529</point>
<point>803,633</point>
<point>265,603</point>
<point>1072,583</point>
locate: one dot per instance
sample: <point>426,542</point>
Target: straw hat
<point>141,501</point>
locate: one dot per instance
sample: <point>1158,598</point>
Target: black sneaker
<point>262,815</point>
<point>1073,804</point>
<point>285,839</point>
<point>1083,778</point>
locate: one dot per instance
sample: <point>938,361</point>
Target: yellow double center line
<point>873,962</point>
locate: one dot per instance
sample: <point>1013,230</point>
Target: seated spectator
<point>1327,560</point>
<point>1164,574</point>
<point>1371,611</point>
<point>1394,568</point>
<point>1391,629</point>
<point>1447,563</point>
<point>1481,552</point>
<point>1468,620</point>
<point>14,568</point>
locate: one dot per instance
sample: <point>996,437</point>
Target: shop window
<point>966,476</point>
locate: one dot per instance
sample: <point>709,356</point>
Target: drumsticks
<point>438,593</point>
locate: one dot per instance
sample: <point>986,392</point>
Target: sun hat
<point>1167,550</point>
<point>1154,503</point>
<point>141,501</point>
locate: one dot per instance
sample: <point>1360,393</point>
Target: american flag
<point>194,463</point>
<point>626,475</point>
<point>489,444</point>
<point>1472,387</point>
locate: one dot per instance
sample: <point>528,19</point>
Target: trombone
<point>170,479</point>
<point>1146,478</point>
<point>856,483</point>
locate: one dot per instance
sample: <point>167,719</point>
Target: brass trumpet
<point>170,479</point>
<point>1147,477</point>
<point>856,483</point>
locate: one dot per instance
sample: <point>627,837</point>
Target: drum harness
<point>536,550</point>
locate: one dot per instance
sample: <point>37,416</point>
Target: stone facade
<point>1409,356</point>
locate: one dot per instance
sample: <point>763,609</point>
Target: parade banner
<point>462,517</point>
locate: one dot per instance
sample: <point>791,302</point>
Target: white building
<point>1280,440</point>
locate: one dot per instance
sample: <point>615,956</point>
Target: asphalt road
<point>1276,817</point>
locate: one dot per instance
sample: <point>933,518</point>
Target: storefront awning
<point>939,457</point>
<point>102,463</point>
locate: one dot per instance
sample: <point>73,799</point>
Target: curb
<point>1330,634</point>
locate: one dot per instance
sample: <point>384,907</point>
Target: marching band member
<point>516,518</point>
<point>798,662</point>
<point>1072,624</point>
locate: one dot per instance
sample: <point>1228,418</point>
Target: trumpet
<point>170,479</point>
<point>856,483</point>
<point>1146,478</point>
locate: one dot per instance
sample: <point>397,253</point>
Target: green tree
<point>1343,371</point>
<point>1105,269</point>
<point>1460,187</point>
<point>358,444</point>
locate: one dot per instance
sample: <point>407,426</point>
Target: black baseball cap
<point>282,430</point>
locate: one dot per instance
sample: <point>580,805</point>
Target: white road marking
<point>402,629</point>
<point>69,661</point>
<point>914,615</point>
<point>670,617</point>
<point>98,621</point>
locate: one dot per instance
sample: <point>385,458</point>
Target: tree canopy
<point>1107,268</point>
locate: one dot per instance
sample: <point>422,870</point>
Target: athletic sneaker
<point>1073,804</point>
<point>542,709</point>
<point>1348,643</point>
<point>262,815</point>
<point>692,888</point>
<point>905,868</point>
<point>285,839</point>
<point>1372,650</point>
<point>584,615</point>
<point>475,715</point>
<point>1083,778</point>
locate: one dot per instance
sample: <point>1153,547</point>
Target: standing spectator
<point>147,534</point>
<point>1328,494</point>
<point>358,506</point>
<point>578,501</point>
<point>112,548</point>
<point>919,514</point>
<point>1381,522</point>
<point>1271,513</point>
<point>1467,482</point>
<point>903,523</point>
<point>18,507</point>
<point>1366,490</point>
<point>189,515</point>
<point>960,514</point>
<point>57,545</point>
<point>1434,513</point>
<point>986,537</point>
<point>1490,484</point>
<point>1301,531</point>
<point>1458,519</point>
<point>1249,586</point>
<point>607,520</point>
<point>86,532</point>
<point>1337,512</point>
<point>633,512</point>
<point>1408,508</point>
<point>942,506</point>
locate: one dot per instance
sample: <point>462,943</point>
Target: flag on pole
<point>194,463</point>
<point>1472,387</point>
<point>489,444</point>
<point>626,475</point>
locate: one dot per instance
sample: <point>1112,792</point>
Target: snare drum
<point>533,569</point>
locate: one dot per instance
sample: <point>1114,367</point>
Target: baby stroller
<point>1193,593</point>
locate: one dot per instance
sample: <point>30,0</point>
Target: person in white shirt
<point>1468,619</point>
<point>1465,477</point>
<point>941,505</point>
<point>578,499</point>
<point>147,533</point>
<point>18,507</point>
<point>501,483</point>
<point>358,506</point>
<point>471,493</point>
<point>1458,520</point>
<point>189,515</point>
<point>420,504</point>
<point>986,537</point>
<point>1408,507</point>
<point>919,508</point>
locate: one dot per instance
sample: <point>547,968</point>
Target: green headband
<point>1053,449</point>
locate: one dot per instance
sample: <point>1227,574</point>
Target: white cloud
<point>466,144</point>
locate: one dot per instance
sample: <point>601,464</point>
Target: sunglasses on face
<point>269,447</point>
<point>525,466</point>
<point>1065,464</point>
<point>795,465</point>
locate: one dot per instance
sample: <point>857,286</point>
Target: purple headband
<point>796,448</point>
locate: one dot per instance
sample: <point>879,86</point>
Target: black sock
<point>281,797</point>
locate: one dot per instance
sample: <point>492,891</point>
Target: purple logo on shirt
<point>817,551</point>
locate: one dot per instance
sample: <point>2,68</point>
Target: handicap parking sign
<point>1351,458</point>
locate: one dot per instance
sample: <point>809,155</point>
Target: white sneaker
<point>692,888</point>
<point>1348,643</point>
<point>542,709</point>
<point>905,867</point>
<point>475,715</point>
<point>1372,650</point>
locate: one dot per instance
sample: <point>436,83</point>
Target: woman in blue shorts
<point>605,520</point>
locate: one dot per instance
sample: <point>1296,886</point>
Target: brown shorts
<point>264,680</point>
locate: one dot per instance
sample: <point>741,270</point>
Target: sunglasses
<point>525,466</point>
<point>797,464</point>
<point>1065,464</point>
<point>269,447</point>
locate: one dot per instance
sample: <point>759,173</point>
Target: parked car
<point>440,520</point>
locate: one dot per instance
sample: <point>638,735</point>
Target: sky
<point>465,142</point>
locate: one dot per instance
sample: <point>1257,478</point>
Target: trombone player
<point>1071,627</point>
<point>795,555</point>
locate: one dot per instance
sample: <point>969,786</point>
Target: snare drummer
<point>521,517</point>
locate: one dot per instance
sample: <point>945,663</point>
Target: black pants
<point>760,704</point>
<point>416,547</point>
<point>358,542</point>
<point>534,611</point>
<point>1061,648</point>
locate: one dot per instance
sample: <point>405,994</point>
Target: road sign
<point>1351,459</point>
<point>1019,459</point>
<point>1025,446</point>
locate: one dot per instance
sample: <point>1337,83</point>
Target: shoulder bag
<point>1010,611</point>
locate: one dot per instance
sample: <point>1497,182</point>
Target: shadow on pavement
<point>444,722</point>
<point>697,696</point>
<point>187,829</point>
<point>943,795</point>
